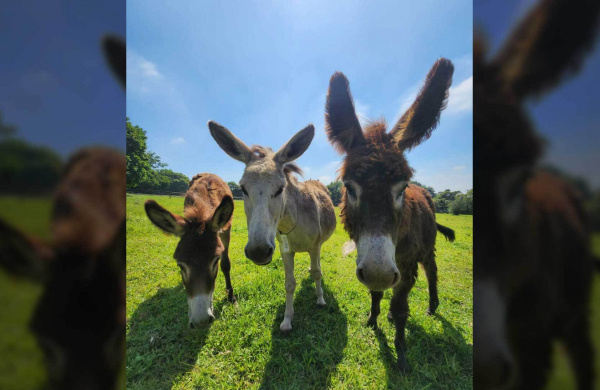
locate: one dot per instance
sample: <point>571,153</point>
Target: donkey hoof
<point>285,327</point>
<point>372,322</point>
<point>403,366</point>
<point>430,311</point>
<point>321,303</point>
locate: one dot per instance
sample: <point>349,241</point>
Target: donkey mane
<point>262,152</point>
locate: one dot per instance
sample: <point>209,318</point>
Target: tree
<point>443,199</point>
<point>335,191</point>
<point>138,161</point>
<point>154,161</point>
<point>235,189</point>
<point>462,204</point>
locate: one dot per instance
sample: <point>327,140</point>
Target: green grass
<point>21,360</point>
<point>327,348</point>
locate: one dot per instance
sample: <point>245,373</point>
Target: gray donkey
<point>300,215</point>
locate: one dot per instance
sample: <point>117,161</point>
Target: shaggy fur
<point>375,161</point>
<point>532,244</point>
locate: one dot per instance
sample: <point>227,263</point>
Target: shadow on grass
<point>305,358</point>
<point>440,361</point>
<point>160,346</point>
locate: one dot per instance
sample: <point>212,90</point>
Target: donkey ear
<point>295,146</point>
<point>341,123</point>
<point>115,53</point>
<point>231,144</point>
<point>222,214</point>
<point>417,123</point>
<point>164,219</point>
<point>22,255</point>
<point>542,49</point>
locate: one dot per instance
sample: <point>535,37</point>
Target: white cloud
<point>178,140</point>
<point>459,167</point>
<point>461,97</point>
<point>141,66</point>
<point>325,179</point>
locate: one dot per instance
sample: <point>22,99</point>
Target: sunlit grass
<point>327,348</point>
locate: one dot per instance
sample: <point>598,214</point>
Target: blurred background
<point>57,94</point>
<point>564,114</point>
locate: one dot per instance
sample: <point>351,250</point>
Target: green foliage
<point>138,161</point>
<point>236,190</point>
<point>329,348</point>
<point>164,180</point>
<point>430,189</point>
<point>462,204</point>
<point>335,191</point>
<point>26,168</point>
<point>443,199</point>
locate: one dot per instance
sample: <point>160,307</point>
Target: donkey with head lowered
<point>204,233</point>
<point>300,215</point>
<point>391,221</point>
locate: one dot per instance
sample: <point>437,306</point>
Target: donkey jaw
<point>376,263</point>
<point>200,310</point>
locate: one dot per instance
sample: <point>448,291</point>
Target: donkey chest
<point>299,240</point>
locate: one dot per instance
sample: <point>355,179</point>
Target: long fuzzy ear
<point>222,214</point>
<point>419,121</point>
<point>115,53</point>
<point>231,144</point>
<point>341,123</point>
<point>164,219</point>
<point>22,255</point>
<point>296,145</point>
<point>550,42</point>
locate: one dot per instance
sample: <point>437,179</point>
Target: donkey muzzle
<point>259,254</point>
<point>376,264</point>
<point>200,311</point>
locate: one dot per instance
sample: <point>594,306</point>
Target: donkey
<point>204,234</point>
<point>300,215</point>
<point>533,268</point>
<point>79,321</point>
<point>391,221</point>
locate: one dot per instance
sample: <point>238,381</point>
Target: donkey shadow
<point>306,357</point>
<point>160,346</point>
<point>430,355</point>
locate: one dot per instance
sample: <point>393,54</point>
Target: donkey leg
<point>400,311</point>
<point>431,273</point>
<point>376,297</point>
<point>290,287</point>
<point>315,272</point>
<point>579,345</point>
<point>226,268</point>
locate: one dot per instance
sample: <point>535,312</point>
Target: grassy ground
<point>328,348</point>
<point>21,364</point>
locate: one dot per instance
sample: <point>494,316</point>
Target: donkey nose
<point>195,324</point>
<point>259,254</point>
<point>377,281</point>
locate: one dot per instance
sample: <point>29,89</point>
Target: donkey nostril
<point>192,326</point>
<point>396,277</point>
<point>270,251</point>
<point>360,275</point>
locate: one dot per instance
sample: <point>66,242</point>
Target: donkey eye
<point>350,191</point>
<point>279,191</point>
<point>244,191</point>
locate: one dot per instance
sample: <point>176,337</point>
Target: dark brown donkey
<point>392,222</point>
<point>532,265</point>
<point>79,321</point>
<point>204,233</point>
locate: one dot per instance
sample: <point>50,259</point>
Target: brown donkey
<point>204,233</point>
<point>79,320</point>
<point>392,222</point>
<point>533,268</point>
<point>300,215</point>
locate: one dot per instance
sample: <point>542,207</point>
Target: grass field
<point>327,348</point>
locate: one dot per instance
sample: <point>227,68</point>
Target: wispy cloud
<point>178,140</point>
<point>461,97</point>
<point>362,111</point>
<point>141,66</point>
<point>459,167</point>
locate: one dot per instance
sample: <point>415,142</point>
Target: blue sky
<point>568,116</point>
<point>262,70</point>
<point>55,86</point>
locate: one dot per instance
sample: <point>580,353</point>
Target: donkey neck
<point>290,208</point>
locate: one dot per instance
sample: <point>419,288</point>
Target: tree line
<point>145,171</point>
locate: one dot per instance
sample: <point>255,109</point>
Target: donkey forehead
<point>375,172</point>
<point>196,248</point>
<point>264,171</point>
